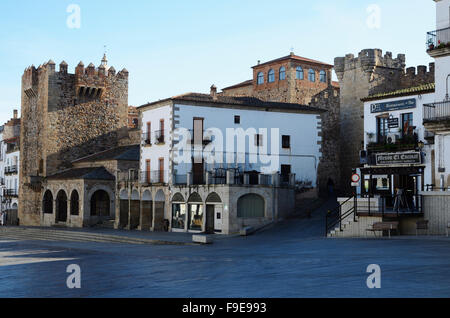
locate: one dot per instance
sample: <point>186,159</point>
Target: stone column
<point>140,215</point>
<point>276,180</point>
<point>230,177</point>
<point>153,215</point>
<point>189,178</point>
<point>246,179</point>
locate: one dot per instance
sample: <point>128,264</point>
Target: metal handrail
<point>435,111</point>
<point>341,216</point>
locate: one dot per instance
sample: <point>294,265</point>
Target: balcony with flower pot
<point>438,42</point>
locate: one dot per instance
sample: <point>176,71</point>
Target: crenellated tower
<point>359,77</point>
<point>66,117</point>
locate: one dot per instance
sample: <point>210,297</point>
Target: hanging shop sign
<point>384,159</point>
<point>393,123</point>
<point>391,106</point>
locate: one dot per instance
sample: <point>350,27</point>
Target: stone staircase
<point>55,235</point>
<point>347,228</point>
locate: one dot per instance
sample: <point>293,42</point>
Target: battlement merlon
<point>368,60</point>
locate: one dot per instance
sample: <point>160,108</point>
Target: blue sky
<point>178,46</point>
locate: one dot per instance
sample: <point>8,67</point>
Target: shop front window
<point>195,217</point>
<point>382,129</point>
<point>178,215</point>
<point>407,124</point>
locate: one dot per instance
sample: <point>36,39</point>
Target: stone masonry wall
<point>66,117</point>
<point>368,73</point>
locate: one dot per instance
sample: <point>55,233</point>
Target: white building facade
<point>9,165</point>
<point>211,163</point>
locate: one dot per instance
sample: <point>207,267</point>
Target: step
<point>41,234</point>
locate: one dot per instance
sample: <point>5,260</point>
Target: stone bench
<point>202,239</point>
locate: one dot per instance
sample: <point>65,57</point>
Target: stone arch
<point>14,206</point>
<point>160,208</point>
<point>47,202</point>
<point>195,198</point>
<point>195,212</point>
<point>123,194</point>
<point>135,209</point>
<point>251,205</point>
<point>74,203</point>
<point>147,196</point>
<point>100,204</point>
<point>124,208</point>
<point>135,195</point>
<point>178,197</point>
<point>61,206</point>
<point>146,210</point>
<point>213,198</point>
<point>160,196</point>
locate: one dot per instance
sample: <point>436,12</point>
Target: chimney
<point>214,92</point>
<point>15,113</point>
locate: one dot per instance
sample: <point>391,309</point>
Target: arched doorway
<point>100,204</point>
<point>61,206</point>
<point>160,200</point>
<point>135,210</point>
<point>47,203</point>
<point>124,208</point>
<point>214,213</point>
<point>74,203</point>
<point>195,212</point>
<point>250,206</point>
<point>147,206</point>
<point>178,212</point>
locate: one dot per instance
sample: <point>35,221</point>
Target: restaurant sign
<point>391,106</point>
<point>405,158</point>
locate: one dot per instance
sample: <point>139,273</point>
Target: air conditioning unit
<point>392,138</point>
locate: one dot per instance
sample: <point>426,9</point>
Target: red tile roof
<point>296,58</point>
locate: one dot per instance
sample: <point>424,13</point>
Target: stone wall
<point>329,166</point>
<point>66,117</point>
<point>369,73</point>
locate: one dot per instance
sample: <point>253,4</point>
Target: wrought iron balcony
<point>438,39</point>
<point>146,139</point>
<point>436,112</point>
<point>159,137</point>
<point>154,177</point>
<point>406,142</point>
<point>11,193</point>
<point>11,169</point>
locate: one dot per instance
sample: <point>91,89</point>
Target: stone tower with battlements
<point>65,117</point>
<point>368,73</point>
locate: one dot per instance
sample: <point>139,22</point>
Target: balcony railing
<point>11,169</point>
<point>146,139</point>
<point>128,176</point>
<point>406,143</point>
<point>154,177</point>
<point>436,111</point>
<point>438,39</point>
<point>11,193</point>
<point>159,137</point>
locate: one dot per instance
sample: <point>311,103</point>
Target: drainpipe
<point>446,92</point>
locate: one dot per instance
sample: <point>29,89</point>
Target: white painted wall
<point>12,180</point>
<point>303,156</point>
<point>370,121</point>
<point>155,152</point>
<point>442,14</point>
<point>370,125</point>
